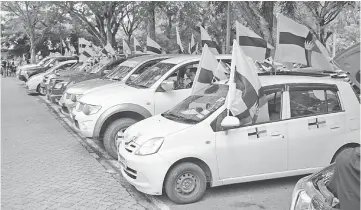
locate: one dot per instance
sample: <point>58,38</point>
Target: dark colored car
<point>26,73</point>
<point>58,85</point>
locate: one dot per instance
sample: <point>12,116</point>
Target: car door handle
<point>335,127</point>
<point>276,134</point>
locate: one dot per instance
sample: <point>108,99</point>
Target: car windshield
<point>199,105</point>
<point>47,63</point>
<point>98,67</point>
<point>151,75</point>
<point>43,61</point>
<point>121,70</point>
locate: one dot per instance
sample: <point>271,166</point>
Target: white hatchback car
<point>106,112</point>
<point>309,120</point>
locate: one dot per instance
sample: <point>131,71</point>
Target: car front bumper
<point>83,123</point>
<point>22,78</point>
<point>139,171</point>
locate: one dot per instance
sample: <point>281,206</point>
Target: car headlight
<point>303,201</point>
<point>150,147</point>
<point>91,109</point>
<point>60,85</point>
<point>76,97</point>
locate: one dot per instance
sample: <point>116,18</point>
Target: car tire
<point>111,133</point>
<point>38,89</point>
<point>185,183</point>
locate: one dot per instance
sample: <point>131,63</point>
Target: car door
<point>316,125</point>
<point>164,100</point>
<point>255,149</point>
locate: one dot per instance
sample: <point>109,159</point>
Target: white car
<point>33,84</point>
<point>105,113</point>
<point>307,121</point>
<point>129,69</point>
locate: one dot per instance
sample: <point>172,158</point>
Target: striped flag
<point>86,54</point>
<point>126,49</point>
<point>206,39</point>
<point>137,47</point>
<point>208,70</point>
<point>245,96</point>
<point>298,45</point>
<point>83,43</point>
<point>193,46</point>
<point>179,42</point>
<point>252,44</point>
<point>189,48</point>
<point>108,49</point>
<point>153,47</point>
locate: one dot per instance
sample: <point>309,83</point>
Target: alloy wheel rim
<point>187,184</point>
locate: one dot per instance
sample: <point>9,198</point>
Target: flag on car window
<point>246,95</point>
<point>137,47</point>
<point>252,45</point>
<point>153,47</point>
<point>295,43</point>
<point>179,42</point>
<point>208,70</point>
<point>83,43</point>
<point>126,49</point>
<point>206,39</point>
<point>108,49</point>
<point>86,54</point>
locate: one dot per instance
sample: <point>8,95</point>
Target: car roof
<point>181,58</point>
<point>149,57</point>
<point>267,80</point>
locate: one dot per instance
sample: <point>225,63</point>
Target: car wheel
<point>115,131</point>
<point>185,183</point>
<point>38,89</point>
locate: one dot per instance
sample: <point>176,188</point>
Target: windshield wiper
<point>179,118</point>
<point>135,85</point>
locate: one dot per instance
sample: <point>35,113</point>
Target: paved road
<point>43,166</point>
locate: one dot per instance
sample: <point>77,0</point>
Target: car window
<point>269,112</point>
<point>184,76</point>
<point>313,102</point>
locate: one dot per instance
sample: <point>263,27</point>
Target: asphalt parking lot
<point>47,165</point>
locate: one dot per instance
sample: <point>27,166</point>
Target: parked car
<point>192,146</point>
<point>106,112</point>
<point>40,63</point>
<point>48,80</point>
<point>57,88</point>
<point>33,84</point>
<point>127,70</point>
<point>26,73</point>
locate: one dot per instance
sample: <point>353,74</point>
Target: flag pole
<point>228,36</point>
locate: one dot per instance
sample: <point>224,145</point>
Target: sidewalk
<point>44,167</point>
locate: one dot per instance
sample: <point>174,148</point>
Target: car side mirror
<point>230,122</point>
<point>168,85</point>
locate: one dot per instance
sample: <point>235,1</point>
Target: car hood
<point>118,92</point>
<point>84,86</point>
<point>37,77</point>
<point>156,126</point>
<point>34,68</point>
<point>349,60</point>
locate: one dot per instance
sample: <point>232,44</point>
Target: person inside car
<point>191,74</point>
<point>345,181</point>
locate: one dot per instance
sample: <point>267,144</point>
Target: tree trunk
<point>32,49</point>
<point>267,13</point>
<point>169,28</point>
<point>151,20</point>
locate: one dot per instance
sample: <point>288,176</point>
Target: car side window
<point>184,76</point>
<point>269,112</point>
<point>313,102</point>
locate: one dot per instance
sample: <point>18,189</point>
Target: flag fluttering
<point>108,50</point>
<point>179,42</point>
<point>252,45</point>
<point>298,45</point>
<point>193,46</point>
<point>137,47</point>
<point>153,47</point>
<point>206,39</point>
<point>126,49</point>
<point>83,43</point>
<point>209,69</point>
<point>246,96</point>
<point>86,54</point>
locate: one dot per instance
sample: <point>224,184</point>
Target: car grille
<point>65,109</point>
<point>131,147</point>
<point>131,172</point>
